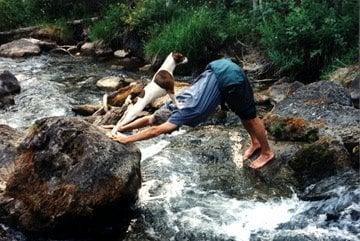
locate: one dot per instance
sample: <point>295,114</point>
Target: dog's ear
<point>178,57</point>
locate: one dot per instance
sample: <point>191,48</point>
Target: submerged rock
<point>331,213</point>
<point>71,176</point>
<point>24,47</point>
<point>9,86</point>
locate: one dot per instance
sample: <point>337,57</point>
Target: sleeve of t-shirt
<point>184,116</point>
<point>176,118</point>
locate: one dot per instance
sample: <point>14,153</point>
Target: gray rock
<point>71,176</point>
<point>324,107</point>
<point>24,47</point>
<point>121,53</point>
<point>355,91</point>
<point>9,86</point>
<point>280,90</point>
<point>111,83</point>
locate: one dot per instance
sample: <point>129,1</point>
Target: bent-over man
<point>222,82</point>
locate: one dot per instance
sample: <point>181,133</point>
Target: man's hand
<point>121,138</point>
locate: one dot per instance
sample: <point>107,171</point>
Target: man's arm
<point>148,133</point>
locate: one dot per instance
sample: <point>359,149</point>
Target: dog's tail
<point>105,102</point>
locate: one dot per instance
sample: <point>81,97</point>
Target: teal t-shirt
<point>226,72</point>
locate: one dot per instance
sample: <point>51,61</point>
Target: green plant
<point>198,34</point>
<point>13,14</point>
<point>307,38</point>
<point>112,25</point>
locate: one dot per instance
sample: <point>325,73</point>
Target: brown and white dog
<point>162,83</point>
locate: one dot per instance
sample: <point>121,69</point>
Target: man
<point>222,81</point>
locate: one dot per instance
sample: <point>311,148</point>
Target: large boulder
<point>282,89</point>
<point>24,47</point>
<point>70,176</point>
<point>320,109</point>
<point>8,152</point>
<point>9,86</point>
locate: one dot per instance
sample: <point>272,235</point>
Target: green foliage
<point>112,25</point>
<point>198,34</point>
<point>12,14</point>
<point>308,38</point>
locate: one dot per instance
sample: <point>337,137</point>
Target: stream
<point>178,201</point>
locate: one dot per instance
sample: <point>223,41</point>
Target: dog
<point>162,83</point>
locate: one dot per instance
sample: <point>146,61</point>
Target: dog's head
<point>179,58</point>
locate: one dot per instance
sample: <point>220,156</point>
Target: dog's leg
<point>128,103</point>
<point>173,98</point>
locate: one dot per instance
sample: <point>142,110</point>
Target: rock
<point>344,76</point>
<point>355,91</point>
<point>24,47</point>
<point>331,206</point>
<point>131,63</point>
<point>219,151</point>
<point>71,176</point>
<point>85,110</point>
<point>88,48</point>
<point>8,234</point>
<point>111,83</point>
<point>98,49</point>
<point>118,97</point>
<point>179,87</point>
<point>281,89</point>
<point>146,68</point>
<point>322,105</point>
<point>121,53</point>
<point>8,153</point>
<point>9,85</point>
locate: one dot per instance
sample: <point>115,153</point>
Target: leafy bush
<point>198,34</point>
<point>112,25</point>
<point>308,38</point>
<point>12,14</point>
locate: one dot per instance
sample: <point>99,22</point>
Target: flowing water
<point>178,201</point>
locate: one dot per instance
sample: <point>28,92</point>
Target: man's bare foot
<point>250,151</point>
<point>262,160</point>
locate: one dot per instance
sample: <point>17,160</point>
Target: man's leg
<point>257,133</point>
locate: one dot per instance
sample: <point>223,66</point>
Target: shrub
<point>198,34</point>
<point>12,14</point>
<point>112,25</point>
<point>308,38</point>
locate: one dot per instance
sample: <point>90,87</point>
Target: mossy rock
<point>318,160</point>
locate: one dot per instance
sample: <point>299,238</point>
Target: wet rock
<point>97,48</point>
<point>282,89</point>
<point>85,110</point>
<point>322,107</point>
<point>111,83</point>
<point>88,48</point>
<point>121,53</point>
<point>344,76</point>
<point>331,212</point>
<point>131,63</point>
<point>355,91</point>
<point>71,176</point>
<point>118,97</point>
<point>9,86</point>
<point>219,149</point>
<point>8,152</point>
<point>24,47</point>
<point>8,234</point>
